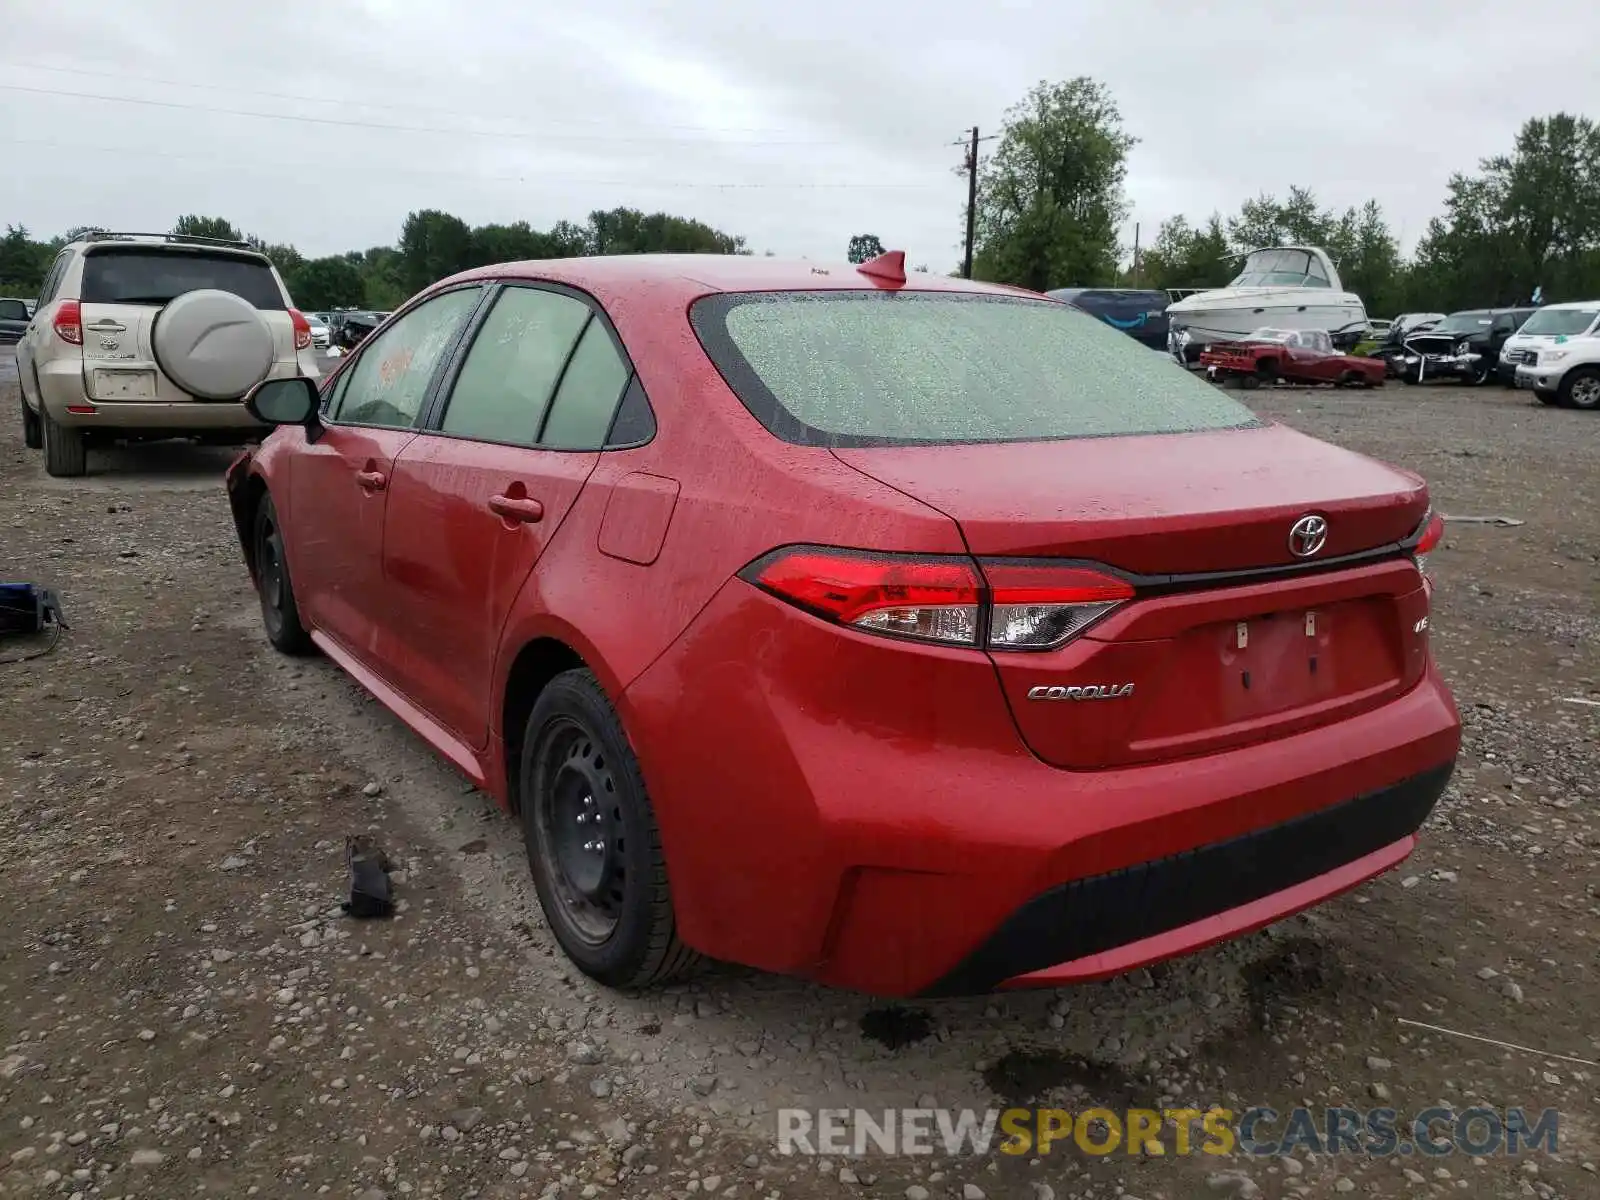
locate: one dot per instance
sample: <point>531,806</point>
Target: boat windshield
<point>1282,268</point>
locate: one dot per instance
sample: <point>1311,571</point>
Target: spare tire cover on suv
<point>213,344</point>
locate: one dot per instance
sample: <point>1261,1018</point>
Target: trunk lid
<point>1225,643</point>
<point>124,288</point>
<point>1177,504</point>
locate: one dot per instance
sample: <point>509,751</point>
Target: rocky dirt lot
<point>184,1009</point>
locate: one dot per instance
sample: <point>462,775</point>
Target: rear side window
<point>584,404</point>
<point>138,276</point>
<point>854,368</point>
<point>513,366</point>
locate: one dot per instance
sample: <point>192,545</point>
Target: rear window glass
<point>146,277</point>
<point>903,368</point>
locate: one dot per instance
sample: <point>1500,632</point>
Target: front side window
<point>512,369</point>
<point>858,368</point>
<point>389,381</point>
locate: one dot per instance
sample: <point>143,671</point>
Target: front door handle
<point>517,508</point>
<point>372,481</point>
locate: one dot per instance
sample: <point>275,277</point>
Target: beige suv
<point>153,336</point>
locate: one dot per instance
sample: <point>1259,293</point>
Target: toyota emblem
<point>1308,535</point>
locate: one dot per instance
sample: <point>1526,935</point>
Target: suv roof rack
<point>106,235</point>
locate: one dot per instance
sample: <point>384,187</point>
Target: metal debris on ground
<point>370,894</point>
<point>1506,521</point>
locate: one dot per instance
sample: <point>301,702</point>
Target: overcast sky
<point>793,124</point>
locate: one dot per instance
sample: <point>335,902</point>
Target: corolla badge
<point>1095,691</point>
<point>1308,535</point>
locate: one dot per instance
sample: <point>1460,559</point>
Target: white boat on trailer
<point>1287,287</point>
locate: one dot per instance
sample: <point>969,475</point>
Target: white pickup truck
<point>1556,354</point>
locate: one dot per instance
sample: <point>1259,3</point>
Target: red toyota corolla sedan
<point>913,635</point>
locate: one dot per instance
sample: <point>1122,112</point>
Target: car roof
<point>691,275</point>
<point>1570,304</point>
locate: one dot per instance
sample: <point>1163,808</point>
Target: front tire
<point>65,454</point>
<point>593,845</point>
<point>279,613</point>
<point>1580,388</point>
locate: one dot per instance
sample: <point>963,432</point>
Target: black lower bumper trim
<point>1101,912</point>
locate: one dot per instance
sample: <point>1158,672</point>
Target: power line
<point>541,175</point>
<point>455,132</point>
<point>336,100</point>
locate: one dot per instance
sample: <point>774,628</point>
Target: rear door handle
<point>517,508</point>
<point>372,481</point>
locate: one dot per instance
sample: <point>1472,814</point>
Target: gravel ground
<point>184,1010</point>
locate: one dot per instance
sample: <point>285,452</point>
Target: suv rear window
<point>857,368</point>
<point>141,276</point>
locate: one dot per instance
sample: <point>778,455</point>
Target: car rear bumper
<point>62,392</point>
<point>867,816</point>
<point>1109,923</point>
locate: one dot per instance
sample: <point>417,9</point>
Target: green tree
<point>1050,198</point>
<point>1183,256</point>
<point>1527,219</point>
<point>193,225</point>
<point>23,262</point>
<point>864,246</point>
<point>630,231</point>
<point>321,284</point>
<point>433,245</point>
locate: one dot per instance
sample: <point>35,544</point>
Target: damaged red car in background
<point>1292,355</point>
<point>913,635</point>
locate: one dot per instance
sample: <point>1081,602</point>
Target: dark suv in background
<point>1464,346</point>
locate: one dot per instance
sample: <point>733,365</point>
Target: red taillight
<point>929,599</point>
<point>1432,533</point>
<point>302,329</point>
<point>68,323</point>
<point>1038,606</point>
<point>1008,606</point>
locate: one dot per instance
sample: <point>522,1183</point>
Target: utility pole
<point>972,200</point>
<point>1136,280</point>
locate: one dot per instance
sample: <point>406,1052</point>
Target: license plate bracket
<point>124,385</point>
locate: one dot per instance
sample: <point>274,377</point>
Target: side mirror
<point>284,401</point>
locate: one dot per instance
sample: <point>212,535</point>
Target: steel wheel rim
<point>1586,392</point>
<point>269,564</point>
<point>578,829</point>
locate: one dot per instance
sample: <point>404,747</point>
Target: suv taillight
<point>302,329</point>
<point>1000,604</point>
<point>68,322</point>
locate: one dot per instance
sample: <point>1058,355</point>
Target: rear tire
<point>593,845</point>
<point>32,433</point>
<point>1266,373</point>
<point>1580,388</point>
<point>279,613</point>
<point>65,454</point>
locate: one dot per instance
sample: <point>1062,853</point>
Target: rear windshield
<point>117,276</point>
<point>903,368</point>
